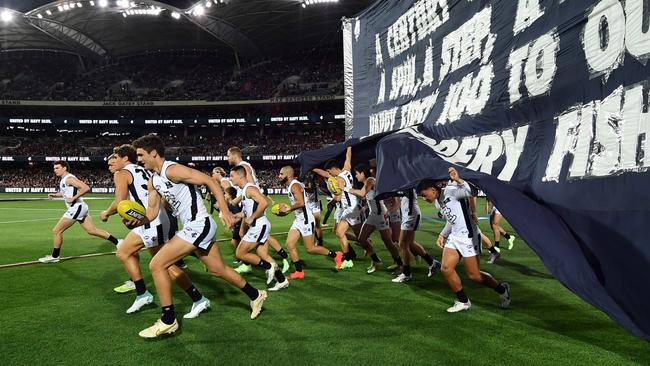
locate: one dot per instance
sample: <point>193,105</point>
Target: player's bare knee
<point>475,277</point>
<point>447,269</point>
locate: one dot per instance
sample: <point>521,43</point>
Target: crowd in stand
<point>164,77</point>
<point>253,142</point>
<point>97,176</point>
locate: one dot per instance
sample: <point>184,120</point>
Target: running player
<point>377,217</point>
<point>255,230</point>
<point>131,183</point>
<point>411,218</point>
<point>177,185</point>
<point>303,224</point>
<point>495,224</point>
<point>220,177</point>
<point>348,215</point>
<point>235,159</point>
<point>72,190</point>
<point>462,238</point>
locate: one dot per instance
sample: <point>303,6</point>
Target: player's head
<point>332,167</point>
<point>230,193</point>
<point>234,155</point>
<point>61,168</point>
<point>149,148</point>
<point>362,172</point>
<point>238,175</point>
<point>124,155</point>
<point>286,174</point>
<point>218,173</point>
<point>430,189</point>
<point>111,160</point>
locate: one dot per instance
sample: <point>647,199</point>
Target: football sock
<point>461,296</point>
<point>194,293</point>
<point>250,291</point>
<point>140,287</point>
<point>168,314</point>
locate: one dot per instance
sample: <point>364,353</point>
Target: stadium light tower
<point>103,3</point>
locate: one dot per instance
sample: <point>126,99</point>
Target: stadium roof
<point>105,29</point>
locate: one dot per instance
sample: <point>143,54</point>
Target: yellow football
<point>275,209</point>
<point>131,210</point>
<point>333,186</point>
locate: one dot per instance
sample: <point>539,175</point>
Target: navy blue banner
<point>542,104</point>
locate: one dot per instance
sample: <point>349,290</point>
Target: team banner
<point>545,105</point>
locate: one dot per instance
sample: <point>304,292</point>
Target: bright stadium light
<point>208,4</point>
<point>92,3</point>
<point>39,16</point>
<point>307,3</point>
<point>79,5</point>
<point>6,16</point>
<point>199,10</point>
<point>48,12</point>
<point>176,15</point>
<point>103,3</point>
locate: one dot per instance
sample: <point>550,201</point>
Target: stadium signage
<point>299,99</point>
<point>184,158</point>
<point>180,121</point>
<point>543,104</point>
<point>164,103</point>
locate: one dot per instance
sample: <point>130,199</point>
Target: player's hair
<point>363,168</point>
<point>231,191</point>
<point>150,143</point>
<point>127,151</point>
<point>234,150</point>
<point>239,169</point>
<point>331,164</point>
<point>426,184</point>
<point>112,156</point>
<point>290,169</point>
<point>63,164</point>
<point>219,170</point>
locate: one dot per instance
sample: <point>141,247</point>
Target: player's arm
<point>472,209</point>
<point>54,195</point>
<point>225,184</point>
<point>121,181</point>
<point>367,186</point>
<point>82,188</point>
<point>348,159</point>
<point>462,189</point>
<point>180,173</point>
<point>488,205</point>
<point>257,196</point>
<point>443,235</point>
<point>321,172</point>
<point>297,192</point>
<point>152,209</point>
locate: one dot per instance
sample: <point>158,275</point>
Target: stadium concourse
<point>235,123</point>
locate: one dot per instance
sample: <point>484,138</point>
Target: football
<point>131,210</point>
<point>275,209</point>
<point>333,186</point>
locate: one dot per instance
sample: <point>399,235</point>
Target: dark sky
<point>26,5</point>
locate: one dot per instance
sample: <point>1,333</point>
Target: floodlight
<point>6,16</point>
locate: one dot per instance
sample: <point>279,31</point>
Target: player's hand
<point>453,174</point>
<point>284,210</point>
<point>70,199</point>
<point>249,221</point>
<point>228,218</point>
<point>50,196</point>
<point>104,216</point>
<point>132,224</point>
<point>441,241</point>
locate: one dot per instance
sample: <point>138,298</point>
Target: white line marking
<point>19,221</point>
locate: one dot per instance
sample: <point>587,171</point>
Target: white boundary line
<point>91,255</point>
<point>32,220</point>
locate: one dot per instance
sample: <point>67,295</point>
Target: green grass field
<point>67,313</point>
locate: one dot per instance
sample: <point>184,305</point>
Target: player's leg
<point>494,251</point>
<point>364,235</point>
<point>89,226</point>
<point>502,232</point>
<point>127,253</point>
<point>450,259</point>
<point>390,246</point>
<point>319,230</point>
<point>341,230</point>
<point>476,275</point>
<point>62,225</point>
<point>291,243</point>
<point>275,244</point>
<point>213,261</point>
<point>271,268</point>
